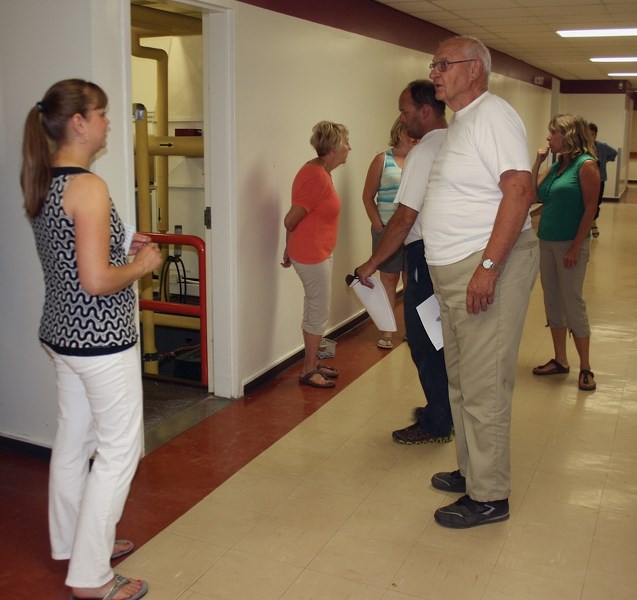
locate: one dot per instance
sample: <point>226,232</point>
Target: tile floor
<point>292,495</point>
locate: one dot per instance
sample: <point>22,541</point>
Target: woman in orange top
<point>312,227</point>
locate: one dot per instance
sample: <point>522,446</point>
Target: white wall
<point>32,57</point>
<point>289,75</point>
<point>609,112</point>
<point>306,73</point>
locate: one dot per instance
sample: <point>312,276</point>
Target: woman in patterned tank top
<point>88,329</point>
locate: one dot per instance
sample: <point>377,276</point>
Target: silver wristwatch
<point>488,264</point>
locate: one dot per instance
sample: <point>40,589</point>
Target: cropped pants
<point>317,285</point>
<point>563,300</point>
<point>100,417</point>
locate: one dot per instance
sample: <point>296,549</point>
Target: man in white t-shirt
<point>424,118</point>
<point>483,260</point>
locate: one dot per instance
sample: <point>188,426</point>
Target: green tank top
<point>563,201</point>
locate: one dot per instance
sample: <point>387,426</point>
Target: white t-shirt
<point>413,182</point>
<point>484,139</point>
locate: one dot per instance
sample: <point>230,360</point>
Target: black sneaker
<point>450,482</point>
<point>466,512</point>
<point>415,434</point>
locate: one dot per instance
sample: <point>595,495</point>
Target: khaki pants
<point>317,285</point>
<point>481,357</point>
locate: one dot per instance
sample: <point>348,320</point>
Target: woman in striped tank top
<point>381,185</point>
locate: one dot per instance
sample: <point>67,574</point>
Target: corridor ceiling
<point>525,29</point>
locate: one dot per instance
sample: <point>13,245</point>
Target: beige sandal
<point>385,342</point>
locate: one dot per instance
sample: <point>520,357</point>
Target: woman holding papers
<point>312,227</point>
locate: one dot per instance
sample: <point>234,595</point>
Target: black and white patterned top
<point>73,321</point>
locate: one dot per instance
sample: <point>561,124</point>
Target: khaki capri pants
<point>317,284</point>
<point>563,301</point>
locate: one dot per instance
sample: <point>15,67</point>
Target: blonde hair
<point>396,131</point>
<point>45,131</point>
<point>328,136</point>
<point>577,135</point>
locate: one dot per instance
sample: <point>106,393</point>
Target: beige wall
<point>609,112</point>
<point>305,73</point>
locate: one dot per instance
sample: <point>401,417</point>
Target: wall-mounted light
<point>630,31</point>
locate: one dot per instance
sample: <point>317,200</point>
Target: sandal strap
<point>118,584</point>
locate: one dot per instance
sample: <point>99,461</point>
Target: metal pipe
<point>191,146</point>
<point>187,309</point>
<point>177,321</point>
<point>142,176</point>
<point>161,111</point>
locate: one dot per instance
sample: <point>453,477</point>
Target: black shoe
<point>450,482</point>
<point>415,434</point>
<point>466,512</point>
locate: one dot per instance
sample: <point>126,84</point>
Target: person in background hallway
<point>568,191</point>
<point>381,184</point>
<point>483,260</point>
<point>605,154</point>
<point>424,118</point>
<point>88,328</point>
<point>312,227</point>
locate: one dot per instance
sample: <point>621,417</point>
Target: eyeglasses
<point>443,65</point>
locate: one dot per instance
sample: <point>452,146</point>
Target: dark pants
<point>435,418</point>
<point>600,199</point>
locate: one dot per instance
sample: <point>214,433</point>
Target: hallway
<point>294,493</point>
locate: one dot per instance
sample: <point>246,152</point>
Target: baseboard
<point>288,362</point>
<point>25,449</point>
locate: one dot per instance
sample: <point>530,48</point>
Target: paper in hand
<point>376,303</point>
<point>429,313</point>
<point>128,240</point>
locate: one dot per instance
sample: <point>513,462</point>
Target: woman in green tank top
<point>568,190</point>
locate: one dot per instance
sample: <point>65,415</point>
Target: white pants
<point>99,415</point>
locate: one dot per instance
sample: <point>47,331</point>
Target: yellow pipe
<point>181,321</point>
<point>175,146</point>
<point>142,176</point>
<point>142,169</point>
<point>161,111</point>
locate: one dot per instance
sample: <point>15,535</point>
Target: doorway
<point>168,72</point>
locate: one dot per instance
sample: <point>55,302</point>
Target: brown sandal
<point>587,380</point>
<point>556,368</point>
<point>327,371</point>
<point>307,380</point>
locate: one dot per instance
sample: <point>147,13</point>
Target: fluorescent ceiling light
<point>599,32</point>
<point>615,59</point>
<point>622,74</point>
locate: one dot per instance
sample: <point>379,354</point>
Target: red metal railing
<point>189,310</point>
